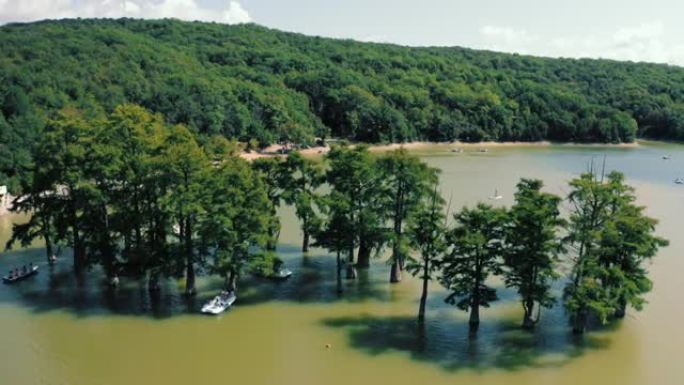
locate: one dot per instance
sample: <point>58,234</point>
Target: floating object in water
<point>667,157</point>
<point>20,277</point>
<point>679,181</point>
<point>278,274</point>
<point>458,150</point>
<point>219,303</point>
<point>281,274</point>
<point>328,346</point>
<point>496,196</point>
<point>483,150</point>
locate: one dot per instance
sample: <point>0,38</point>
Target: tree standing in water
<point>271,171</point>
<point>336,230</point>
<point>407,182</point>
<point>476,249</point>
<point>584,294</point>
<point>186,166</point>
<point>626,242</point>
<point>235,227</point>
<point>354,178</point>
<point>531,247</point>
<point>426,234</point>
<point>306,176</point>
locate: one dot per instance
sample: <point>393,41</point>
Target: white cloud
<point>231,12</point>
<point>644,42</point>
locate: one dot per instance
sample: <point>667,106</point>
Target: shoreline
<point>272,150</point>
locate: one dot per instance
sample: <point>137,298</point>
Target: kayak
<point>6,279</point>
<point>220,303</point>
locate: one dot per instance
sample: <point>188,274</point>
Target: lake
<point>57,330</point>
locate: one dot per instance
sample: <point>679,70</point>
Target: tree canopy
<point>250,82</point>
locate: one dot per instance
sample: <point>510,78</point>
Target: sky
<point>634,30</point>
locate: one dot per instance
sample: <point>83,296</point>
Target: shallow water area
<point>56,329</point>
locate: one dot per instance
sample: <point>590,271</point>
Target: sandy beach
<point>273,150</point>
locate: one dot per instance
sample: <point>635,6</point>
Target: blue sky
<point>628,30</point>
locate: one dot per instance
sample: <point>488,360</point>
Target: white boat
<point>282,274</point>
<point>220,303</point>
<point>496,196</point>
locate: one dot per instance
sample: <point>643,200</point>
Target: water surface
<point>57,330</point>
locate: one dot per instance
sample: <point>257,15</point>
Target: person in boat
<point>11,274</point>
<point>23,270</point>
<point>30,267</point>
<point>16,273</point>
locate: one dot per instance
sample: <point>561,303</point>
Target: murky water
<point>55,330</point>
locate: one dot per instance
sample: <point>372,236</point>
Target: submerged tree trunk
<point>106,248</point>
<point>339,273</point>
<point>423,296</point>
<point>579,322</point>
<point>273,232</point>
<point>351,269</point>
<point>395,272</point>
<point>48,240</point>
<point>231,281</point>
<point>305,242</point>
<point>474,321</point>
<point>79,252</point>
<point>189,277</point>
<point>363,260</point>
<point>621,309</point>
<point>528,320</point>
<point>189,260</point>
<point>153,282</point>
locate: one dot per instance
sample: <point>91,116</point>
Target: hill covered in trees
<point>251,82</point>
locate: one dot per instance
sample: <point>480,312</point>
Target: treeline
<point>144,199</point>
<point>249,82</point>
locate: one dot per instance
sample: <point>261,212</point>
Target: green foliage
<point>476,244</point>
<point>237,219</point>
<point>612,239</point>
<point>426,234</point>
<point>252,83</point>
<point>141,197</point>
<point>354,177</point>
<point>532,246</point>
<point>408,182</point>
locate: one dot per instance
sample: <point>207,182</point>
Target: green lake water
<point>55,330</point>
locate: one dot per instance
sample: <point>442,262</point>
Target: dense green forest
<point>251,82</point>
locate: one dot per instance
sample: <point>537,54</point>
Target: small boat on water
<point>679,181</point>
<point>496,196</point>
<point>8,279</point>
<point>281,274</point>
<point>220,303</point>
<point>667,157</point>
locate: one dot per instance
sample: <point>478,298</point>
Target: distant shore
<point>274,150</point>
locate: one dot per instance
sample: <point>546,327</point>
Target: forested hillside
<point>248,81</point>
